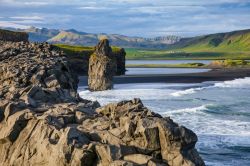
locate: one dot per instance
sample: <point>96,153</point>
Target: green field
<point>183,65</point>
<point>74,49</point>
<point>181,54</point>
<point>229,63</point>
<point>232,45</point>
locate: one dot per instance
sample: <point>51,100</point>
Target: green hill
<point>232,41</point>
<point>231,45</point>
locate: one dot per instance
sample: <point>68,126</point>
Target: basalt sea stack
<point>102,67</point>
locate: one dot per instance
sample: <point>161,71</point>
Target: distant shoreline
<point>213,75</point>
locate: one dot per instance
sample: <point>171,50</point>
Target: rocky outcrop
<point>43,121</point>
<point>102,67</point>
<point>143,137</point>
<point>6,35</point>
<point>40,108</point>
<point>79,60</point>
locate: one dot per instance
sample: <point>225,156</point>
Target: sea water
<point>218,112</point>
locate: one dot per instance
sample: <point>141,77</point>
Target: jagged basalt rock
<point>102,67</point>
<point>43,121</point>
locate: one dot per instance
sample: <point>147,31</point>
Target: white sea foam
<point>189,110</point>
<point>237,83</point>
<point>129,91</point>
<point>185,92</point>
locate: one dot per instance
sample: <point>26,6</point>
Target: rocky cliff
<point>102,67</point>
<point>43,121</point>
<point>6,35</point>
<point>78,58</point>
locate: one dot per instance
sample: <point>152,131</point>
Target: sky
<point>145,18</point>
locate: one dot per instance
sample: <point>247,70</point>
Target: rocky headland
<point>43,121</point>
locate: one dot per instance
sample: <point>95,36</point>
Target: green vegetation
<point>232,45</point>
<point>184,65</point>
<point>229,63</point>
<point>72,49</point>
<point>139,54</point>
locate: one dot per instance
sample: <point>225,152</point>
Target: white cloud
<point>130,17</point>
<point>28,18</point>
<point>28,22</point>
<point>93,8</point>
<point>8,24</point>
<point>22,3</point>
<point>36,3</point>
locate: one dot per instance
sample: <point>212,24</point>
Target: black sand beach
<point>213,75</point>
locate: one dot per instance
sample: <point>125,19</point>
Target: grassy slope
<point>70,49</point>
<point>233,45</point>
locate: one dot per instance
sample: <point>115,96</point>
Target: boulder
<point>139,159</point>
<point>102,67</point>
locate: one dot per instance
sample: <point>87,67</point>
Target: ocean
<point>218,112</point>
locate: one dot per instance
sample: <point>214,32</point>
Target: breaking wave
<point>185,92</point>
<point>190,110</point>
<point>237,83</point>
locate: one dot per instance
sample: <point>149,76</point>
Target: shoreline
<point>213,75</point>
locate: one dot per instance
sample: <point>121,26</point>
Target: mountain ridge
<point>74,37</point>
<point>228,41</point>
<point>219,42</point>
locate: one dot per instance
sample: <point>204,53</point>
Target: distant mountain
<point>219,42</point>
<point>41,35</point>
<point>74,37</point>
<point>86,39</point>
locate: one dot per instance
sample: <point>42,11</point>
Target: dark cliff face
<point>121,61</point>
<point>79,61</point>
<point>6,35</point>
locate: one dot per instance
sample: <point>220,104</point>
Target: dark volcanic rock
<point>43,121</point>
<point>79,61</point>
<point>102,67</point>
<point>121,61</point>
<point>6,35</point>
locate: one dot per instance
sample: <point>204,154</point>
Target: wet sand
<point>213,75</point>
